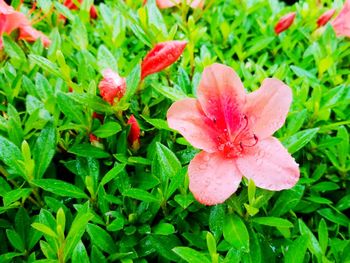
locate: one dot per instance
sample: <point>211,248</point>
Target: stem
<point>15,184</point>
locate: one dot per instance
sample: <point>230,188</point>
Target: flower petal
<point>222,96</point>
<point>213,178</point>
<point>341,23</point>
<point>269,165</point>
<point>167,3</point>
<point>267,107</point>
<point>30,34</point>
<point>186,117</point>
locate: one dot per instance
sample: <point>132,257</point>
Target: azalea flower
<point>170,3</point>
<point>161,56</point>
<point>11,20</point>
<point>284,22</point>
<point>341,23</point>
<point>325,17</point>
<point>234,131</point>
<point>134,134</point>
<point>112,86</point>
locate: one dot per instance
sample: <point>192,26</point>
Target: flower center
<point>233,145</point>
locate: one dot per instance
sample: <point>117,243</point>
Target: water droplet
<point>206,158</point>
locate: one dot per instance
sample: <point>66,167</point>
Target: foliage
<point>65,199</point>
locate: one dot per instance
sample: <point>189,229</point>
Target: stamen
<point>256,140</point>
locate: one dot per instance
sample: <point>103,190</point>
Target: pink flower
<point>341,23</point>
<point>234,130</point>
<point>284,23</point>
<point>161,56</point>
<point>11,20</point>
<point>134,134</point>
<point>170,3</point>
<point>112,86</point>
<point>325,17</point>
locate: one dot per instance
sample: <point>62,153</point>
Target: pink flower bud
<point>112,86</point>
<point>325,17</point>
<point>134,134</point>
<point>161,56</point>
<point>284,23</point>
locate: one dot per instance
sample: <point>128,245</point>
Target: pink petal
<point>222,96</point>
<point>269,165</point>
<point>267,107</point>
<point>196,3</point>
<point>186,117</point>
<point>341,23</point>
<point>213,178</point>
<point>167,3</point>
<point>30,34</point>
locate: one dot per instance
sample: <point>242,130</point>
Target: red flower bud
<point>134,134</point>
<point>161,56</point>
<point>284,23</point>
<point>112,86</point>
<point>93,138</point>
<point>70,4</point>
<point>325,17</point>
<point>93,12</point>
<point>100,117</point>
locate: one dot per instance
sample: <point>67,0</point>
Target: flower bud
<point>111,86</point>
<point>284,23</point>
<point>161,56</point>
<point>134,134</point>
<point>325,17</point>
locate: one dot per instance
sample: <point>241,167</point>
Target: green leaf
<point>15,240</point>
<point>60,188</point>
<point>105,59</point>
<point>100,238</point>
<point>44,229</point>
<point>113,173</point>
<point>334,216</point>
<point>141,195</point>
<point>11,156</point>
<point>75,233</point>
<point>297,141</point>
<point>235,232</point>
<point>169,164</point>
<point>216,220</point>
<point>14,195</point>
<point>132,82</point>
<point>80,253</point>
<point>87,150</point>
<point>164,229</point>
<point>13,50</point>
<point>312,242</point>
<point>190,255</point>
<point>44,149</point>
<point>170,92</point>
<point>296,251</point>
<point>45,64</point>
<point>323,235</point>
<point>108,129</point>
<point>91,101</point>
<point>272,221</point>
<point>72,110</point>
<point>157,123</point>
